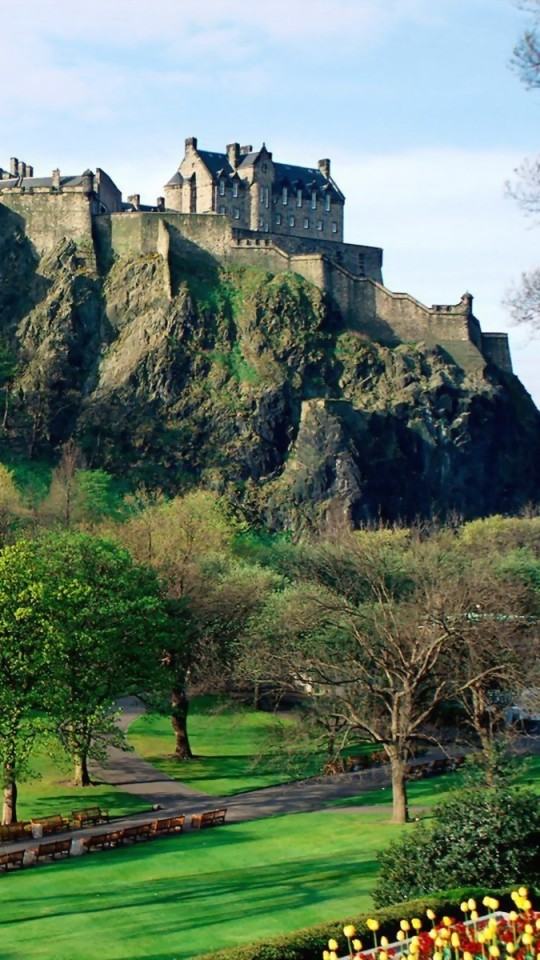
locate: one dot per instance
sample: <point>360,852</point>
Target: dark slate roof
<point>40,182</point>
<point>217,163</point>
<point>305,178</point>
<point>176,180</point>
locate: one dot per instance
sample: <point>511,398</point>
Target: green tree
<point>111,625</point>
<point>28,638</point>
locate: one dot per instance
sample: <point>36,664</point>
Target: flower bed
<point>513,936</point>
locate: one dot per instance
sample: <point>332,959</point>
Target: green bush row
<point>309,943</point>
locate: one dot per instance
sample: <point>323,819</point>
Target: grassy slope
<point>233,743</point>
<point>182,896</point>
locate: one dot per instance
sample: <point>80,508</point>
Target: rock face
<point>248,383</point>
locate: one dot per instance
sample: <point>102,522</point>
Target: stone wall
<point>496,349</point>
<point>47,217</point>
<point>359,260</point>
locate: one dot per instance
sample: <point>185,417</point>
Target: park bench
<point>209,819</point>
<point>102,841</point>
<point>90,815</point>
<point>53,849</point>
<point>15,831</point>
<point>54,824</point>
<point>167,825</point>
<point>143,831</point>
<point>13,859</point>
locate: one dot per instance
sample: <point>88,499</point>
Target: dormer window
<point>222,188</point>
<point>313,200</point>
<point>284,196</point>
<point>299,198</point>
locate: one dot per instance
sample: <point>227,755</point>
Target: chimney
<point>324,167</point>
<point>29,171</point>
<point>135,200</point>
<point>233,154</point>
<point>245,150</point>
<point>160,203</point>
<point>56,179</point>
<point>14,167</point>
<point>191,144</point>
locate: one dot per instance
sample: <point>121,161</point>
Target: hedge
<point>309,943</point>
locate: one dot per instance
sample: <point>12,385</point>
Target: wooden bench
<point>209,819</point>
<point>15,831</point>
<point>167,825</point>
<point>81,818</point>
<point>53,849</point>
<point>103,841</point>
<point>54,824</point>
<point>13,859</point>
<point>142,831</point>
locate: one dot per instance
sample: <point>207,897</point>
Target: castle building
<point>257,193</point>
<point>102,192</point>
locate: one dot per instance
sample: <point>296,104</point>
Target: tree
<point>78,496</point>
<point>526,56</point>
<point>111,624</point>
<point>28,637</point>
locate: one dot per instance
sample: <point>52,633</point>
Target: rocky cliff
<point>185,373</point>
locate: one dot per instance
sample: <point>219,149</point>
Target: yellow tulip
<point>529,928</point>
<point>474,914</point>
<point>405,925</point>
<point>445,933</point>
<point>523,892</point>
<point>447,921</point>
<point>326,955</point>
<point>514,895</point>
<point>383,955</point>
<point>400,935</point>
<point>414,948</point>
<point>357,945</point>
<point>332,944</point>
<point>537,924</point>
<point>526,939</point>
<point>485,901</point>
<point>494,951</point>
<point>430,914</point>
<point>416,923</point>
<point>467,955</point>
<point>454,940</point>
<point>439,942</point>
<point>494,904</point>
<point>433,933</point>
<point>526,905</point>
<point>464,906</point>
<point>349,931</point>
<point>333,955</point>
<point>373,925</point>
<point>384,942</point>
<point>481,937</point>
<point>510,948</point>
<point>437,956</point>
<point>512,916</point>
<point>472,904</point>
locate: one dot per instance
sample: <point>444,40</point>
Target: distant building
<point>102,193</point>
<point>256,193</point>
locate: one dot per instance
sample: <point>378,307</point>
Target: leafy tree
<point>28,638</point>
<point>111,624</point>
<point>482,837</point>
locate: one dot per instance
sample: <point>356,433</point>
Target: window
<point>319,225</point>
<point>235,188</point>
<point>299,198</point>
<point>334,226</point>
<point>306,223</point>
<point>222,188</point>
<point>265,196</point>
<point>313,200</point>
<point>285,196</point>
<point>236,213</point>
<point>327,203</point>
<point>278,219</point>
<point>291,221</point>
<point>222,210</point>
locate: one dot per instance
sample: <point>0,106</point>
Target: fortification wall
<point>496,349</point>
<point>136,233</point>
<point>46,218</point>
<point>359,260</point>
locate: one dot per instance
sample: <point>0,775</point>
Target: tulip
<point>349,931</point>
<point>494,951</point>
<point>416,923</point>
<point>454,940</point>
<point>464,906</point>
<point>512,916</point>
<point>472,904</point>
<point>523,892</point>
<point>437,956</point>
<point>430,914</point>
<point>405,925</point>
<point>357,944</point>
<point>526,939</point>
<point>510,948</point>
<point>474,915</point>
<point>326,955</point>
<point>384,943</point>
<point>447,921</point>
<point>467,955</point>
<point>373,925</point>
<point>332,944</point>
<point>383,955</point>
<point>333,955</point>
<point>529,928</point>
<point>494,904</point>
<point>526,905</point>
<point>400,935</point>
<point>432,933</point>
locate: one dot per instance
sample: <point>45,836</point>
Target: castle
<point>242,207</point>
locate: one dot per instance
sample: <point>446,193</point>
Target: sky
<point>414,101</point>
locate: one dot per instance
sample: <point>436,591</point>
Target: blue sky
<point>413,100</point>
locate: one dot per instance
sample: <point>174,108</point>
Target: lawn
<point>50,791</point>
<point>238,748</point>
<point>182,896</point>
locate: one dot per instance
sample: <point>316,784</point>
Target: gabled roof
<point>176,180</point>
<point>217,163</point>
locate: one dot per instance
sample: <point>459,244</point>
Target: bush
<point>482,836</point>
<point>308,944</point>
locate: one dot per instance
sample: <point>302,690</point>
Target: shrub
<point>481,836</point>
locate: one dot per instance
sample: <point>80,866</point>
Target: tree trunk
<point>81,776</point>
<point>9,808</point>
<point>179,714</point>
<point>400,806</point>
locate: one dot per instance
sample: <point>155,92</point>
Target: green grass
<point>51,792</point>
<point>179,897</point>
<point>234,745</point>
